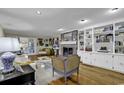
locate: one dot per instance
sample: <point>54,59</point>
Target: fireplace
<point>67,51</point>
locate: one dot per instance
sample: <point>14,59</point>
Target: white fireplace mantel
<point>68,42</point>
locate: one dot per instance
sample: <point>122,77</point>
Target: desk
<point>19,78</point>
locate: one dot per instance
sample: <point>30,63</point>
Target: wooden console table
<point>19,78</point>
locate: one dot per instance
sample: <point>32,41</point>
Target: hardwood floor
<point>90,75</point>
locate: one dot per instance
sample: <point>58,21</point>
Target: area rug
<point>43,74</point>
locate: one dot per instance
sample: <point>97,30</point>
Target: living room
<point>61,46</point>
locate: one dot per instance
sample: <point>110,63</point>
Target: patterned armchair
<point>66,66</point>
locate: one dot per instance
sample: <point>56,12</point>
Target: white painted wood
<point>93,40</point>
<point>68,42</point>
<point>81,55</point>
<point>1,32</point>
<point>87,58</point>
<point>108,61</point>
<point>119,63</point>
<point>99,60</point>
<point>113,38</point>
<point>111,61</point>
<point>115,62</point>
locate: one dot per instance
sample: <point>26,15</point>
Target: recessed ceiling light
<point>61,29</point>
<point>38,12</point>
<point>113,10</point>
<point>82,21</point>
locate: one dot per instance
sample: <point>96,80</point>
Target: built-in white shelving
<point>81,40</point>
<point>103,39</point>
<point>119,38</point>
<point>107,45</point>
<point>88,40</point>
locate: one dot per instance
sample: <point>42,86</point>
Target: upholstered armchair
<point>66,66</point>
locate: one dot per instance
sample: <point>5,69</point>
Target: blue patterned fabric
<point>7,60</point>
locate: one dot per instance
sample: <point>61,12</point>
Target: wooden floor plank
<point>90,75</point>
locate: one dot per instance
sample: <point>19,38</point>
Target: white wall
<point>1,32</point>
<point>1,35</point>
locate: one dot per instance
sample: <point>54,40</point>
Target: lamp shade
<point>9,44</point>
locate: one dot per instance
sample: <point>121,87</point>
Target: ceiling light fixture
<point>82,21</point>
<point>38,12</point>
<point>113,10</point>
<point>61,29</point>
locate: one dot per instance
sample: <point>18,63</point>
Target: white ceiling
<point>25,21</point>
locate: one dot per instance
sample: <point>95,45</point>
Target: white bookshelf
<point>111,56</point>
<point>98,39</point>
<point>81,40</point>
<point>119,38</point>
<point>107,38</point>
<point>88,40</point>
<point>103,39</point>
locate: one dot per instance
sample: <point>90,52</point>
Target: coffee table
<point>43,61</point>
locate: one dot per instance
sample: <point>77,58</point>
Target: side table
<point>19,78</point>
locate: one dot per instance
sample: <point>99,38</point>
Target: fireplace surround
<point>67,49</point>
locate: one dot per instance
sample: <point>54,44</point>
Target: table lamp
<point>8,45</point>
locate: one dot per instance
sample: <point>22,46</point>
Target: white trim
<point>68,42</point>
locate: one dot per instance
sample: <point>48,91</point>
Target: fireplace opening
<point>67,51</point>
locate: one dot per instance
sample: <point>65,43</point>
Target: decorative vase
<point>7,61</point>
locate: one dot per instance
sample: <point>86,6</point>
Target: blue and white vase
<point>7,59</point>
